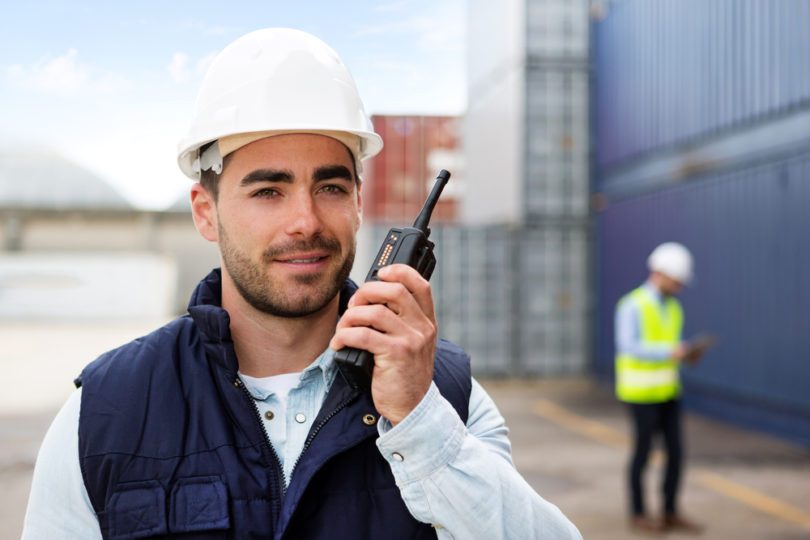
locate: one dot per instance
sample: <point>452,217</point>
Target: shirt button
<point>269,415</point>
<point>300,418</point>
<point>397,456</point>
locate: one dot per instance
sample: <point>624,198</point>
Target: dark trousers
<point>649,419</point>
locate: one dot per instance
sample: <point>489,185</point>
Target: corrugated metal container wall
<point>557,144</point>
<point>702,130</point>
<point>677,71</point>
<point>748,232</point>
<point>551,307</point>
<point>398,178</point>
<point>557,178</point>
<point>472,294</point>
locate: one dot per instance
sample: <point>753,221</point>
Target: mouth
<point>302,261</point>
<point>304,258</point>
<point>306,262</point>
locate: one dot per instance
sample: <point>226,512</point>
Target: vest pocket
<point>139,509</point>
<point>136,510</point>
<point>199,504</point>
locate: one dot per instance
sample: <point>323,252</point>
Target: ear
<point>204,212</point>
<point>360,200</point>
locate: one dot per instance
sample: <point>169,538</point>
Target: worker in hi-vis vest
<point>649,354</point>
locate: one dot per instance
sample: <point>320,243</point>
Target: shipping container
<point>679,72</point>
<point>511,283</point>
<point>556,110</point>
<point>526,130</point>
<point>702,136</point>
<point>747,228</point>
<point>399,178</point>
<point>557,145</point>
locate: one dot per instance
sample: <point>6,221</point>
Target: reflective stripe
<point>648,378</point>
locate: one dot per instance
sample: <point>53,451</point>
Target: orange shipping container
<point>398,180</point>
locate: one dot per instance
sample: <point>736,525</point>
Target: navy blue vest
<point>170,443</point>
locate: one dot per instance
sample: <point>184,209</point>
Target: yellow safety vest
<point>640,380</point>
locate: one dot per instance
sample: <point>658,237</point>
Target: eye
<point>266,193</point>
<point>332,189</point>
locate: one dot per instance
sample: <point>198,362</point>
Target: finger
<point>394,295</point>
<point>377,316</point>
<point>357,337</point>
<point>387,321</point>
<point>385,347</point>
<point>379,343</point>
<point>417,285</point>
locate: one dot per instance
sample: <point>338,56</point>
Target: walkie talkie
<point>406,245</point>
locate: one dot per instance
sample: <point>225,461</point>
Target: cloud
<point>205,62</point>
<point>441,29</point>
<point>425,72</point>
<point>391,6</point>
<point>64,75</point>
<point>178,68</point>
<point>61,75</point>
<point>406,74</point>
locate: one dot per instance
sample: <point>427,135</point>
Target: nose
<point>303,219</point>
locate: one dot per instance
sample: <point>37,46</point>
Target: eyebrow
<point>329,172</point>
<point>267,175</point>
<point>326,172</point>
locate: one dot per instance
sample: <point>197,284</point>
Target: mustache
<point>330,245</point>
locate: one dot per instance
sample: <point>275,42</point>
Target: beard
<point>259,290</point>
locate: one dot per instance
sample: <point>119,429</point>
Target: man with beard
<point>233,421</point>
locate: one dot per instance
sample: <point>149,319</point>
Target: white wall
<point>494,122</point>
<point>75,286</point>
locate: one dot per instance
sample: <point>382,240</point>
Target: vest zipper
<point>314,431</point>
<point>257,416</point>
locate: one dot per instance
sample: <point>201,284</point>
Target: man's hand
<point>687,353</point>
<point>680,352</point>
<point>692,351</point>
<point>393,319</point>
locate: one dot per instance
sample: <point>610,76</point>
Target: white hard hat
<point>270,82</point>
<point>673,260</point>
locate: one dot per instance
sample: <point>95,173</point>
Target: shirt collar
<point>324,366</point>
<point>653,291</point>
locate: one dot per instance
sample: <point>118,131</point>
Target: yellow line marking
<point>752,498</point>
<point>615,439</point>
<point>584,426</point>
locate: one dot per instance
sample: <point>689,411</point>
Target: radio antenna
<point>423,218</point>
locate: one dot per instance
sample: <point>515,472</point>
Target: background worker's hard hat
<point>270,82</point>
<point>673,260</point>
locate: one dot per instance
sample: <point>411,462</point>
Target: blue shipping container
<point>748,230</point>
<point>674,72</point>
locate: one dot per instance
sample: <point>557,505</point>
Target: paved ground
<point>569,439</point>
<point>570,442</point>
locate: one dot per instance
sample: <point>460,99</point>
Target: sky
<point>111,85</point>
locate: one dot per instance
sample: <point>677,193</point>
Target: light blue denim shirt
<point>628,330</point>
<point>289,433</point>
<point>458,477</point>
